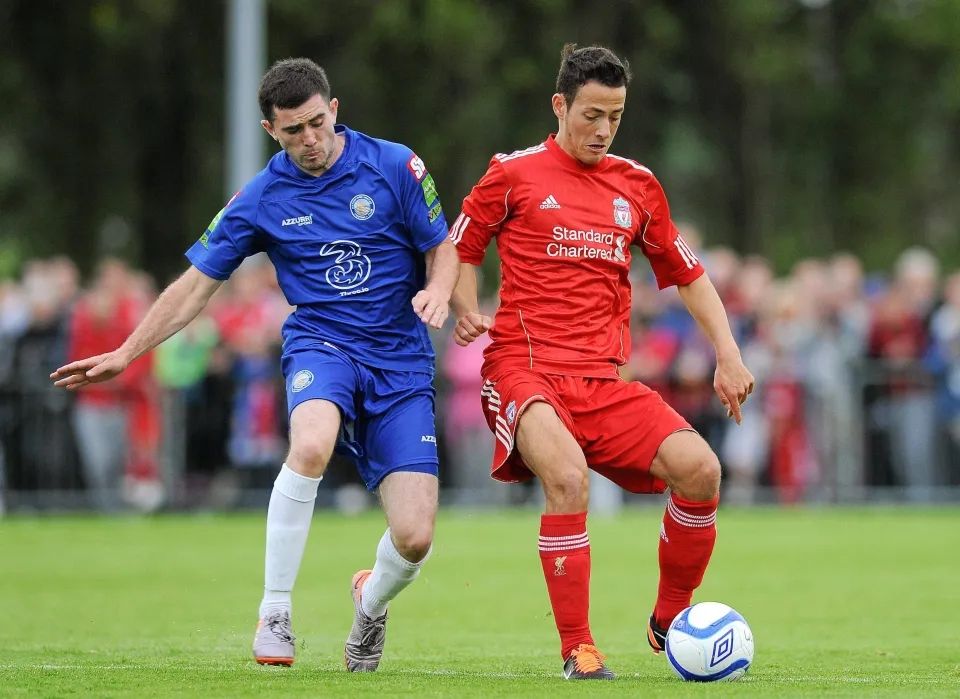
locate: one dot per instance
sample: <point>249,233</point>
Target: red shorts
<point>619,424</point>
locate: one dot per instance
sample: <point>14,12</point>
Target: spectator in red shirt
<point>102,319</point>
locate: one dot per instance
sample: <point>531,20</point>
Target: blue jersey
<point>347,246</point>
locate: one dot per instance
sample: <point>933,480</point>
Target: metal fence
<point>881,436</point>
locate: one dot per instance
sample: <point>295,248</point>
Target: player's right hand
<point>733,383</point>
<point>470,327</point>
<point>78,374</point>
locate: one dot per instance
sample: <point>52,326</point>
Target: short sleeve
<point>422,211</point>
<point>672,259</point>
<point>230,237</point>
<point>482,215</point>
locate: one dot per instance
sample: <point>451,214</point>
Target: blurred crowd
<point>858,387</point>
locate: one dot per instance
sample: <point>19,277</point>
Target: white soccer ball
<point>709,642</point>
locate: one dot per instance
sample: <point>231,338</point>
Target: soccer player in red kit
<point>567,216</point>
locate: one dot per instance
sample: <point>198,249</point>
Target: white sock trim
<point>296,486</point>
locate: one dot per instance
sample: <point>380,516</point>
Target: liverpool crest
<point>621,213</point>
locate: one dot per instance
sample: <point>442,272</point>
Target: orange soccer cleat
<point>585,662</point>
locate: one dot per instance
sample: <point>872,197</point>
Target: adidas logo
<point>550,203</point>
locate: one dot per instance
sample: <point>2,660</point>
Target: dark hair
<point>580,66</point>
<point>289,83</point>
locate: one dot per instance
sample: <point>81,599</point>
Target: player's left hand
<point>430,308</point>
<point>733,382</point>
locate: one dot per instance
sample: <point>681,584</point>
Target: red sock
<point>687,536</point>
<point>565,556</point>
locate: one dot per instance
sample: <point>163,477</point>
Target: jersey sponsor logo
<point>301,380</point>
<point>621,213</point>
<point>350,268</point>
<point>434,212</point>
<point>590,242</point>
<point>298,221</point>
<point>429,190</point>
<point>550,203</point>
<point>362,207</point>
<point>587,236</point>
<point>428,438</point>
<point>619,252</point>
<point>205,236</point>
<point>216,219</point>
<point>417,167</point>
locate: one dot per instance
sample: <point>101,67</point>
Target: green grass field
<point>842,602</point>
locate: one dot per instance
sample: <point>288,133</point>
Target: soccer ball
<point>709,642</point>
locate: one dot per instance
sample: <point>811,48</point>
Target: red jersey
<point>564,233</point>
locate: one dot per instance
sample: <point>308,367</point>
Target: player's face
<point>306,134</point>
<point>587,126</point>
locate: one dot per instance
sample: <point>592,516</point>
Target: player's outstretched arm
<point>177,305</point>
<point>471,324</point>
<point>732,381</point>
<point>432,303</point>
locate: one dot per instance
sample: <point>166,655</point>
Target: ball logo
<point>722,648</point>
<point>350,268</point>
<point>301,380</point>
<point>362,207</point>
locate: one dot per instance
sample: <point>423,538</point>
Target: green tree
<point>788,128</point>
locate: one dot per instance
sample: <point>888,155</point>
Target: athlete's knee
<point>689,466</point>
<point>567,488</point>
<point>413,542</point>
<point>701,481</point>
<point>309,455</point>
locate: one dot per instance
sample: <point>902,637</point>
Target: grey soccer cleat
<point>364,646</point>
<point>273,642</point>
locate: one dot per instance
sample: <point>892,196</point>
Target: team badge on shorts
<point>301,380</point>
<point>621,213</point>
<point>511,412</point>
<point>362,207</point>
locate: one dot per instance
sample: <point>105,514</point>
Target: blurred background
<point>810,150</point>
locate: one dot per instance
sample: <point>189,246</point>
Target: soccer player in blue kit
<point>355,230</point>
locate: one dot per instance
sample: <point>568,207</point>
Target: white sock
<point>391,573</point>
<point>288,523</point>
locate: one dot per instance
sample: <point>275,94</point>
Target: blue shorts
<point>387,416</point>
